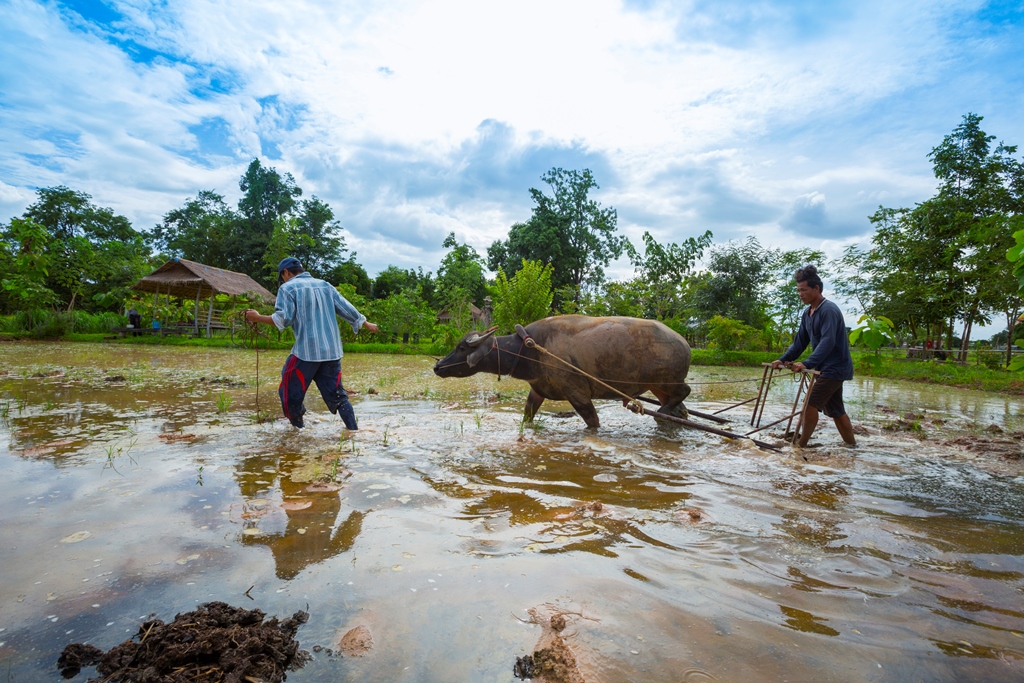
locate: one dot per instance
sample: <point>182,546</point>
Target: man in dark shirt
<point>823,326</point>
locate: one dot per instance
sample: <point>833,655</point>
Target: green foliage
<point>286,240</point>
<point>524,298</point>
<point>24,243</point>
<point>740,273</point>
<point>872,332</point>
<point>992,360</point>
<point>941,261</point>
<point>42,323</point>
<point>394,280</point>
<point>197,231</point>
<point>568,230</point>
<point>400,314</point>
<point>461,269</point>
<point>729,335</point>
<point>86,251</point>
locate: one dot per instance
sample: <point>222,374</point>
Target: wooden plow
<point>634,404</point>
<point>807,380</point>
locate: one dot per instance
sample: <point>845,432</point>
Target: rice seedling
<point>478,416</point>
<point>223,402</point>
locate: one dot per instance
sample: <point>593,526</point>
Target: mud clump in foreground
<point>552,661</point>
<point>216,643</point>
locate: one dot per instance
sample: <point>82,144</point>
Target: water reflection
<point>688,557</point>
<point>311,530</point>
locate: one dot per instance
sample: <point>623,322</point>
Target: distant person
<point>134,320</point>
<point>309,306</point>
<point>822,325</point>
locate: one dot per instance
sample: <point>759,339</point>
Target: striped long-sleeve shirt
<point>308,306</point>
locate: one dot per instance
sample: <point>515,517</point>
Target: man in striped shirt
<point>309,307</point>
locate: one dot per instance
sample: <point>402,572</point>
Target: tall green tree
<point>740,274</point>
<point>568,230</point>
<point>663,273</point>
<point>23,247</point>
<point>93,254</point>
<point>461,269</point>
<point>266,196</point>
<point>197,231</point>
<point>323,250</point>
<point>939,262</point>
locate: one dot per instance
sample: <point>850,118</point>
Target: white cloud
<point>413,119</point>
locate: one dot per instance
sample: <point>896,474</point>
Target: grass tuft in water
<point>223,402</point>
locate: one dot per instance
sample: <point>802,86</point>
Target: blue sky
<point>792,121</point>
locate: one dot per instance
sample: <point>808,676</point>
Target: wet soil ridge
<point>216,643</point>
<point>552,661</point>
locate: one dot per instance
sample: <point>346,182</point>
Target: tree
<point>92,253</point>
<point>939,262</point>
<point>393,280</point>
<point>783,302</point>
<point>323,250</point>
<point>567,230</point>
<point>740,274</point>
<point>286,240</point>
<point>523,298</point>
<point>23,246</point>
<point>662,276</point>
<point>461,268</point>
<point>350,272</point>
<point>197,231</point>
<point>266,196</point>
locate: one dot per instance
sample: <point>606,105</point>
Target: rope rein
<point>632,403</point>
<point>598,379</point>
<point>253,334</point>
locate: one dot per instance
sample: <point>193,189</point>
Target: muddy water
<point>137,482</point>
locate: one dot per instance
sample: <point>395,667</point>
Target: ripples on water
<point>679,556</point>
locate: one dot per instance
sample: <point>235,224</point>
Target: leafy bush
<point>524,298</point>
<point>991,359</point>
<point>727,334</point>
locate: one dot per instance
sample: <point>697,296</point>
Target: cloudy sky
<point>792,121</point>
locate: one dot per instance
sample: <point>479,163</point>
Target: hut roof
<point>189,280</point>
<point>445,314</point>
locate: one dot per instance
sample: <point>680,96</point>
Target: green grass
<point>969,376</point>
<point>947,373</point>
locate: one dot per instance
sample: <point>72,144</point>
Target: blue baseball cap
<point>291,263</point>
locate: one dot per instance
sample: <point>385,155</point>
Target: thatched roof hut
<point>196,281</point>
<point>190,280</point>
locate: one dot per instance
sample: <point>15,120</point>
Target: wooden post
<point>209,316</point>
<point>195,317</point>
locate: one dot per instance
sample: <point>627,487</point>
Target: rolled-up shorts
<point>827,397</point>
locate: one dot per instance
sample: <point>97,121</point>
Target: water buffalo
<point>631,354</point>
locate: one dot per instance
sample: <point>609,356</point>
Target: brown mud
<point>216,643</point>
<point>552,659</point>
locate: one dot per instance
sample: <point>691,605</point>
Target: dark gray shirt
<point>826,332</point>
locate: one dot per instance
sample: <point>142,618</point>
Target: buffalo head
<point>470,350</point>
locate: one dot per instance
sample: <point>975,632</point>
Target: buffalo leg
<point>533,402</point>
<point>672,405</point>
<point>587,412</point>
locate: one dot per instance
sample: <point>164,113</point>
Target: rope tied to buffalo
<point>251,335</point>
<point>634,405</point>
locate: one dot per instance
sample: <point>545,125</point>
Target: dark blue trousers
<point>295,379</point>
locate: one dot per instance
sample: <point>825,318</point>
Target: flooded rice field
<point>446,539</point>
